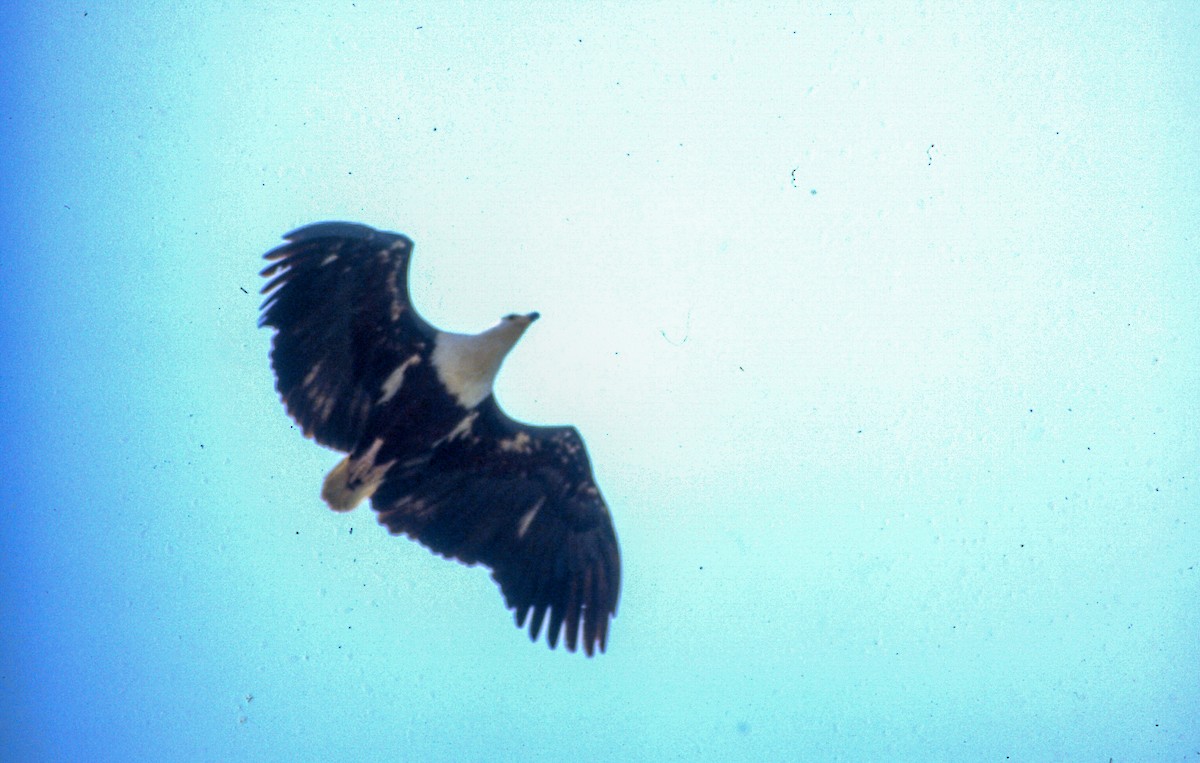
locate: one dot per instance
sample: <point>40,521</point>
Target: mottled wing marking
<point>530,511</point>
<point>461,429</point>
<point>363,468</point>
<point>518,443</point>
<point>527,518</point>
<point>337,296</point>
<point>395,380</point>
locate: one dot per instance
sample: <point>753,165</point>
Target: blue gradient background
<point>881,323</point>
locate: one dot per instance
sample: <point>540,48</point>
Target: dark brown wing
<point>338,299</point>
<point>521,500</point>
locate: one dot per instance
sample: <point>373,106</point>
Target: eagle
<point>425,440</point>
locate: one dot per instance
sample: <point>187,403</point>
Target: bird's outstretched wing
<point>338,299</point>
<point>521,500</point>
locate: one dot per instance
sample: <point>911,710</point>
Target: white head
<point>467,363</point>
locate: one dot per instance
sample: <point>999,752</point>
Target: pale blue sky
<point>880,322</point>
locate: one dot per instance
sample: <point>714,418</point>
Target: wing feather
<point>471,498</point>
<point>338,300</point>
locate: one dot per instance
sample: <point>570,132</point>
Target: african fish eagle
<point>361,372</point>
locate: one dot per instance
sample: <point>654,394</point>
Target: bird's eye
<point>511,316</point>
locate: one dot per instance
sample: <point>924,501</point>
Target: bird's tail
<point>339,493</point>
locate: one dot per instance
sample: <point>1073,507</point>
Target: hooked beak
<point>522,320</point>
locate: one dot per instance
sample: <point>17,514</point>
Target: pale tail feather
<point>337,491</point>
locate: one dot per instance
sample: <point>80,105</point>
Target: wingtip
<point>330,228</point>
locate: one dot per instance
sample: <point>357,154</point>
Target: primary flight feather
<point>412,406</point>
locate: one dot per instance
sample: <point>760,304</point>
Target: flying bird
<point>412,407</point>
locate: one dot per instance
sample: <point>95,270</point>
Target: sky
<point>878,320</point>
